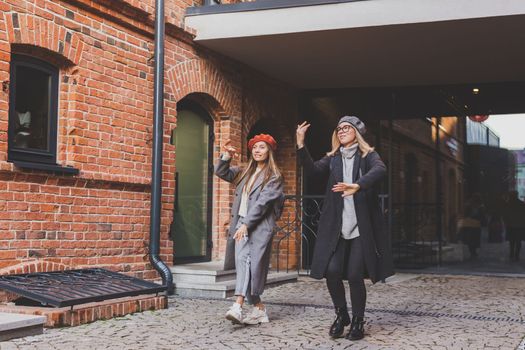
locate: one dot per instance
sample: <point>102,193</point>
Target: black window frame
<point>29,156</point>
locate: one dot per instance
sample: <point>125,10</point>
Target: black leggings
<point>347,263</point>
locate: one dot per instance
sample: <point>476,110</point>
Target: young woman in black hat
<point>351,242</point>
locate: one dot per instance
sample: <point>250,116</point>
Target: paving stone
<point>409,312</point>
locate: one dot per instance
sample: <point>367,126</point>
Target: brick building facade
<point>519,156</point>
<point>85,199</point>
<point>89,205</point>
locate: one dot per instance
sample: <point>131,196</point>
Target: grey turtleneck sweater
<point>349,228</point>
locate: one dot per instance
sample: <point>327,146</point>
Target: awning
<point>317,44</point>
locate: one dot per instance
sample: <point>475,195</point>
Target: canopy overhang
<point>319,44</point>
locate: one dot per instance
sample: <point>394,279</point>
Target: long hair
<point>363,145</point>
<point>270,169</point>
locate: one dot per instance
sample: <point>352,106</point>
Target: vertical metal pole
<point>439,195</point>
<point>391,168</point>
<point>156,173</point>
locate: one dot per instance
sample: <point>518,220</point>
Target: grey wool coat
<point>264,209</point>
<point>367,173</point>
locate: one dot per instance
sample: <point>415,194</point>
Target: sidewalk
<point>409,312</point>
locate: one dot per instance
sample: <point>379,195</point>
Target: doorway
<point>191,226</point>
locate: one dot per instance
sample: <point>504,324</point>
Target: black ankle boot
<point>342,320</point>
<point>356,329</point>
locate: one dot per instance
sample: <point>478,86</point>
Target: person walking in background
<point>495,225</point>
<point>351,240</point>
<point>514,217</point>
<point>470,224</point>
<point>257,205</point>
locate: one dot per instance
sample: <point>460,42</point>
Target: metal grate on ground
<point>73,287</point>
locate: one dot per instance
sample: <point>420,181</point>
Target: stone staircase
<point>209,280</point>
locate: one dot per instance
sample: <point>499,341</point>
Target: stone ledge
<point>16,325</point>
<point>10,321</point>
<point>21,332</point>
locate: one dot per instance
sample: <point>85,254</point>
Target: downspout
<point>156,173</point>
<point>439,194</point>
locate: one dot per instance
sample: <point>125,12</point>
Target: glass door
<point>191,226</point>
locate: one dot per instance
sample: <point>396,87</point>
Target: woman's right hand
<point>229,149</point>
<point>300,133</point>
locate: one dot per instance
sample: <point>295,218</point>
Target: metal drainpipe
<point>156,173</point>
<point>439,193</point>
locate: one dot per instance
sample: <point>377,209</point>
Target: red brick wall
<point>104,50</point>
<point>90,312</point>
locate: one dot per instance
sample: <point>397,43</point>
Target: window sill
<point>47,167</point>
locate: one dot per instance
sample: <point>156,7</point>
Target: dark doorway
<point>191,226</point>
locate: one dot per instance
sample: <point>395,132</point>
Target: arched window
<point>192,216</point>
<point>33,106</point>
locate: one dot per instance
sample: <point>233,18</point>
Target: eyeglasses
<point>345,128</point>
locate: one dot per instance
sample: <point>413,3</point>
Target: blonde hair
<point>363,145</point>
<point>270,169</point>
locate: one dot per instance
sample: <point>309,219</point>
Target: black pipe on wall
<point>156,173</point>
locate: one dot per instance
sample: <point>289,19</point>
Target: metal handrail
<point>298,225</point>
<point>413,233</point>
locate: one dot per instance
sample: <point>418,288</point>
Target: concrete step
<point>18,325</point>
<point>189,287</point>
<point>206,273</point>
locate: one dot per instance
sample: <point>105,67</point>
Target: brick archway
<point>33,266</point>
<point>35,31</point>
<point>201,81</point>
<point>201,76</point>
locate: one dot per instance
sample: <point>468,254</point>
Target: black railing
<point>414,241</point>
<point>413,233</point>
<point>296,233</point>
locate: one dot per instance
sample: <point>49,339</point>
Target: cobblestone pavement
<point>408,312</point>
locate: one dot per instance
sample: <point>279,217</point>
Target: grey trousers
<point>242,268</point>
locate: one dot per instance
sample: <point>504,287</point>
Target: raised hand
<point>300,133</point>
<point>347,189</point>
<point>228,148</point>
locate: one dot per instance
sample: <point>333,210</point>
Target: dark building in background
<point>491,170</point>
<point>519,156</point>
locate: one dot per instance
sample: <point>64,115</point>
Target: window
<point>32,111</point>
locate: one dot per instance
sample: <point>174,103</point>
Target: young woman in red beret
<point>257,204</point>
<point>351,238</point>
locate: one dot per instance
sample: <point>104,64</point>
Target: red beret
<point>262,137</point>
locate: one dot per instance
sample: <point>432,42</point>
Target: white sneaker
<point>234,314</point>
<point>257,316</point>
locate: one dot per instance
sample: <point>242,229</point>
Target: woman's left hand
<point>347,189</point>
<point>242,232</point>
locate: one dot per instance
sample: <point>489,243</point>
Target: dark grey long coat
<point>264,208</point>
<point>370,220</point>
